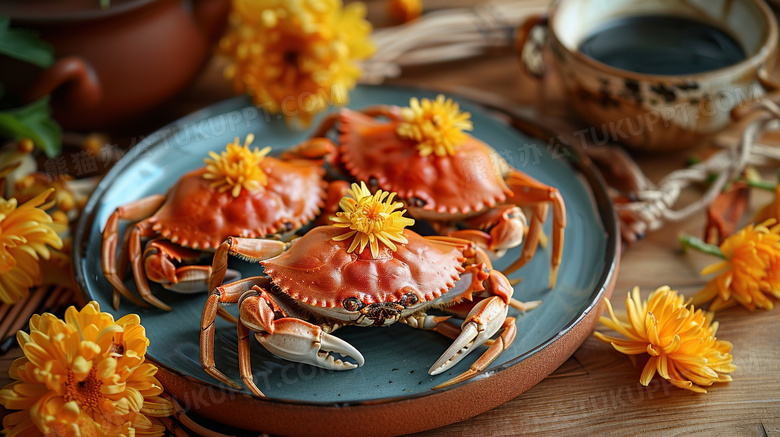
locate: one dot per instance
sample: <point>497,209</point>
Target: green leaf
<point>33,122</point>
<point>691,242</point>
<point>24,45</point>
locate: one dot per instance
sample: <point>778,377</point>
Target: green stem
<point>104,4</point>
<point>764,185</point>
<point>689,241</point>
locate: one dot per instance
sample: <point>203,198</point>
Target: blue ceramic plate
<point>397,357</point>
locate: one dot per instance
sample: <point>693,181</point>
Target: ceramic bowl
<point>658,112</point>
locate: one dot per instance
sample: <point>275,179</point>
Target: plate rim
<point>594,180</point>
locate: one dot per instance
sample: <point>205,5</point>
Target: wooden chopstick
<point>10,318</point>
<point>42,299</point>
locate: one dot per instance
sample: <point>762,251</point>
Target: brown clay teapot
<point>113,63</point>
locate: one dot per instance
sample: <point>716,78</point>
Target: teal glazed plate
<point>392,393</point>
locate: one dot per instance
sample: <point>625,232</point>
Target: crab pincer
<point>486,318</point>
<point>303,342</point>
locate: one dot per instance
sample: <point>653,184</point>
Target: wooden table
<point>597,390</point>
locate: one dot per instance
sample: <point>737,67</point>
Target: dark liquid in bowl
<point>662,45</point>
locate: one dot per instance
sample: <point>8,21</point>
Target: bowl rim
<point>593,179</point>
<point>766,52</point>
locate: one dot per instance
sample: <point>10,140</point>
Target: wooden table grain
<point>597,391</point>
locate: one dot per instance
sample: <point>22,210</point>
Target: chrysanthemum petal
<point>371,220</point>
<point>69,385</point>
<point>679,341</point>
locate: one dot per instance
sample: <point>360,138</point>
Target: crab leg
<point>226,294</point>
<point>336,191</point>
<point>159,266</point>
<point>135,211</point>
<point>315,148</point>
<point>248,249</point>
<point>124,261</point>
<point>529,191</point>
<point>245,359</point>
<point>137,264</point>
<point>497,230</point>
<point>391,112</point>
<point>484,320</point>
<point>508,333</point>
<point>326,125</point>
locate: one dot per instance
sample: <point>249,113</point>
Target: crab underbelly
<point>355,318</point>
<point>387,313</point>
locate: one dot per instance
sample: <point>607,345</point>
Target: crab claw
<point>303,342</point>
<point>483,321</point>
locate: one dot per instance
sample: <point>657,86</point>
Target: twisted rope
<point>655,205</point>
<point>447,35</point>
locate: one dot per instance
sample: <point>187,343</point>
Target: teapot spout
<point>211,16</point>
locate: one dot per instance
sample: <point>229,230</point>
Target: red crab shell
<point>318,271</point>
<point>465,182</point>
<point>198,216</point>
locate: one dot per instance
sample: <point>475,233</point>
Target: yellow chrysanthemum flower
<point>371,218</point>
<point>750,271</point>
<point>296,57</point>
<point>681,341</point>
<point>405,10</point>
<point>237,167</point>
<point>436,125</point>
<point>84,376</point>
<point>26,233</point>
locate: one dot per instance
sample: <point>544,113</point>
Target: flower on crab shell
<point>295,57</point>
<point>750,272</point>
<point>371,219</point>
<point>84,376</point>
<point>27,233</point>
<point>435,125</point>
<point>680,340</point>
<point>237,167</point>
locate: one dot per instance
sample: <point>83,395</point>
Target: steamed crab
<point>327,280</point>
<point>445,176</point>
<point>240,192</point>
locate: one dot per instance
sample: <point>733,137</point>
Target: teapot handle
<point>75,77</point>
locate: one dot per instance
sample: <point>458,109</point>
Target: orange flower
<point>296,57</point>
<point>750,271</point>
<point>436,125</point>
<point>371,219</point>
<point>237,168</point>
<point>84,376</point>
<point>680,341</point>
